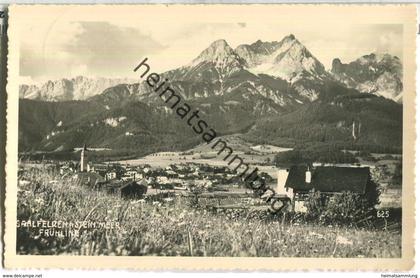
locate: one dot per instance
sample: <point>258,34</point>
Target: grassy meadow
<point>171,227</point>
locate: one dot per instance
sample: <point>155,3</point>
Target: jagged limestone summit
<point>269,92</point>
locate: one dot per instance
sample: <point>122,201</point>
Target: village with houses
<point>129,180</point>
<point>169,155</point>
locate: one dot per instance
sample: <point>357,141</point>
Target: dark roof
<point>133,183</point>
<point>113,183</point>
<point>84,176</point>
<point>296,177</point>
<point>122,184</point>
<point>329,179</point>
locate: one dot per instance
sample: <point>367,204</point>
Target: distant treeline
<point>305,156</point>
<point>342,145</point>
<point>327,153</point>
<point>107,155</point>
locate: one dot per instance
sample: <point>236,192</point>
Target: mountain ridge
<point>286,59</point>
<point>232,96</point>
<point>76,88</point>
<point>380,74</point>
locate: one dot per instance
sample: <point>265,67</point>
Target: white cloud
<point>82,40</point>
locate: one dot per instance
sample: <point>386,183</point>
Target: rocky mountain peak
<point>76,88</point>
<point>376,73</point>
<point>264,47</point>
<point>337,66</point>
<point>213,64</point>
<point>287,59</point>
<point>301,59</point>
<point>287,41</point>
<point>259,51</point>
<point>382,61</point>
<point>219,52</point>
<point>291,37</point>
<point>221,43</point>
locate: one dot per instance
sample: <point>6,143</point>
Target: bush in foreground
<point>345,208</point>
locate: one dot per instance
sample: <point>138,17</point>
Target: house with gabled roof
<point>123,189</point>
<point>328,180</point>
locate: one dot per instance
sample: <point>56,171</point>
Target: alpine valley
<point>267,93</point>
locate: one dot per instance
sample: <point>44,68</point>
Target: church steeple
<point>83,159</point>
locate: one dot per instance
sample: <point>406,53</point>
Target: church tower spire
<point>83,159</point>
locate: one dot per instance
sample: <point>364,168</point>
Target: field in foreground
<point>173,228</point>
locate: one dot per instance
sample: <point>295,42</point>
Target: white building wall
<point>111,175</point>
<point>281,183</point>
<point>300,206</point>
<point>83,161</point>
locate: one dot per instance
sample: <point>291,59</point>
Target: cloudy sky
<point>67,44</point>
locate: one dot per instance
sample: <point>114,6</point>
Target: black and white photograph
<point>157,133</point>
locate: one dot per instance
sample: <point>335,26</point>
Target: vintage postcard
<point>209,137</point>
